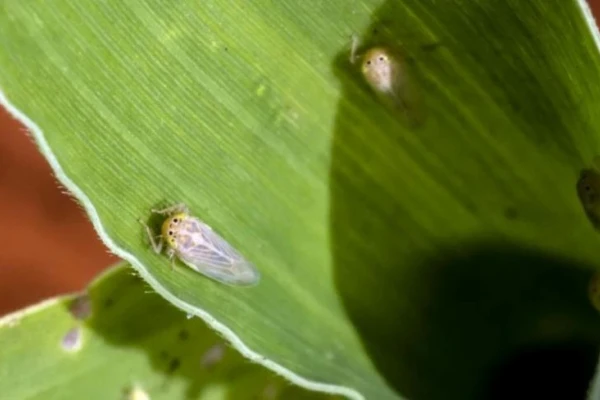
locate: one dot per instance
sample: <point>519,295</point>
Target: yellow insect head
<point>170,228</point>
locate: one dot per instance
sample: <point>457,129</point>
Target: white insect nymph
<point>385,70</point>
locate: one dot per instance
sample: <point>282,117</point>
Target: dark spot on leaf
<point>81,307</point>
<point>183,334</point>
<point>108,302</point>
<point>174,365</point>
<point>469,205</point>
<point>514,104</point>
<point>431,46</point>
<point>511,213</point>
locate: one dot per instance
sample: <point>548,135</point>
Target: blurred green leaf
<point>425,255</point>
<point>131,340</point>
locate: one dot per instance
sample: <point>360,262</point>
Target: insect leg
<point>171,256</point>
<point>179,207</point>
<point>355,42</point>
<point>156,246</point>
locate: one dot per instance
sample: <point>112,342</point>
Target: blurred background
<point>48,247</point>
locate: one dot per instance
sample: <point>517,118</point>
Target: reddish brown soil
<point>47,245</point>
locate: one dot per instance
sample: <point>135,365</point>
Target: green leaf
<point>129,340</point>
<point>417,257</point>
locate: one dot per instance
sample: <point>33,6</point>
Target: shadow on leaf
<point>430,262</point>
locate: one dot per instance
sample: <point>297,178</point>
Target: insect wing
<point>212,256</point>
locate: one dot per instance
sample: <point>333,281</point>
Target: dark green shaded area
<point>461,246</point>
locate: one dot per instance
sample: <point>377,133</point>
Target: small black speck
<point>511,213</point>
<point>431,46</point>
<point>183,334</point>
<point>174,364</point>
<point>470,206</point>
<point>514,104</point>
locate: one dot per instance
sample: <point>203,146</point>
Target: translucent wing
<point>208,253</point>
